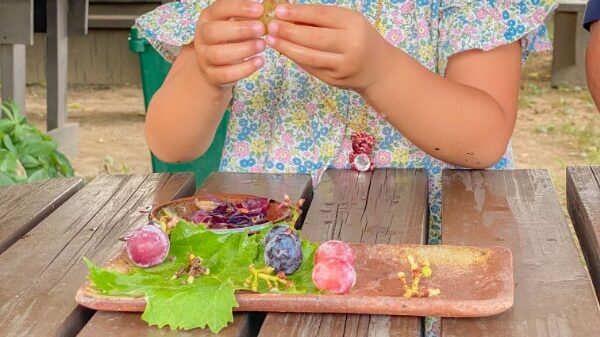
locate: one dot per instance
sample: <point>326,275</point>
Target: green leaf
<point>38,148</point>
<point>8,144</point>
<point>5,180</point>
<point>39,174</point>
<point>209,300</point>
<point>8,162</point>
<point>34,152</point>
<point>62,164</point>
<point>6,125</point>
<point>29,161</point>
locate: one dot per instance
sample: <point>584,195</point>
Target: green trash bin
<point>154,69</point>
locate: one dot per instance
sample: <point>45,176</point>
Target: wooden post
<point>57,54</point>
<point>16,30</point>
<point>66,134</point>
<point>13,73</point>
<point>570,43</point>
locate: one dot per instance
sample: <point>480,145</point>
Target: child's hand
<point>226,49</point>
<point>337,45</point>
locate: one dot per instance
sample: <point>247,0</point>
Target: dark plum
<point>283,250</point>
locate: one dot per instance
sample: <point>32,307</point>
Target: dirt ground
<point>556,127</point>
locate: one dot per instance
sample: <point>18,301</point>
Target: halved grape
<point>147,246</point>
<point>335,249</point>
<point>334,275</point>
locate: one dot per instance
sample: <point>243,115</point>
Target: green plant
<point>26,153</point>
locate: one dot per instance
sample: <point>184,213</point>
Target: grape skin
<point>334,275</point>
<point>283,250</point>
<point>147,246</point>
<point>274,231</point>
<point>335,249</point>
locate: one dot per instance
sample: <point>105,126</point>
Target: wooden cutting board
<point>473,282</point>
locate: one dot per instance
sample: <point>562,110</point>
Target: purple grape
<point>147,246</point>
<point>274,231</point>
<point>283,250</point>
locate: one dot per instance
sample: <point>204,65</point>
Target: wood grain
<point>41,272</point>
<point>386,206</point>
<point>583,203</point>
<point>22,207</point>
<point>110,324</point>
<point>519,210</point>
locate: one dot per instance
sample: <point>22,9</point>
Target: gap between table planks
<point>386,206</point>
<point>23,206</point>
<point>519,209</point>
<point>583,202</point>
<point>42,272</point>
<point>275,186</point>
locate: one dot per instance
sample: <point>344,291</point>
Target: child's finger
<point>303,55</point>
<point>224,31</point>
<point>223,54</point>
<point>226,9</point>
<point>316,15</point>
<point>228,74</point>
<point>313,37</point>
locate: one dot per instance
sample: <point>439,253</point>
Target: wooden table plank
<point>22,207</point>
<point>519,210</point>
<point>109,324</point>
<point>583,202</point>
<point>41,272</point>
<point>387,206</point>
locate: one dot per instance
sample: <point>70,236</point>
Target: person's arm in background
<point>592,23</point>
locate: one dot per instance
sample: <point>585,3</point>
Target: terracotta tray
<point>473,281</point>
<point>186,206</point>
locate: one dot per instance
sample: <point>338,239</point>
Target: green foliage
<point>209,300</point>
<point>26,153</point>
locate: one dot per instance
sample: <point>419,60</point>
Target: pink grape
<point>335,249</point>
<point>147,246</point>
<point>334,275</point>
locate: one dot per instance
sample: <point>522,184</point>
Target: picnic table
<point>518,209</point>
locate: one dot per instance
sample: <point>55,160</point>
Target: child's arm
<point>465,118</point>
<point>185,112</point>
<point>593,62</point>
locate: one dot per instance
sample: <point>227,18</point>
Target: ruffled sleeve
<point>487,24</point>
<point>171,26</point>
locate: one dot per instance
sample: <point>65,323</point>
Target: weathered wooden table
<point>517,209</point>
<point>583,201</point>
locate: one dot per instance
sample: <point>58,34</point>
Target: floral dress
<point>283,120</point>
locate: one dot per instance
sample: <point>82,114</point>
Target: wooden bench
<point>583,202</point>
<point>570,43</point>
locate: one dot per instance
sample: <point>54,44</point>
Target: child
<point>429,84</point>
<point>590,22</point>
